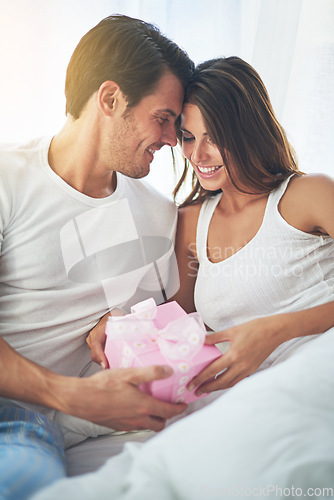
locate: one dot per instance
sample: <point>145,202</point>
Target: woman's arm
<point>252,342</point>
<point>309,206</point>
<point>185,249</point>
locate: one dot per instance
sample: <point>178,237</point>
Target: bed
<point>271,435</point>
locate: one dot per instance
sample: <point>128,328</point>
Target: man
<point>80,235</point>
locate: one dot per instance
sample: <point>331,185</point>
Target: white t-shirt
<point>67,258</point>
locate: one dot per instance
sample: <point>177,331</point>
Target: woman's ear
<point>110,98</point>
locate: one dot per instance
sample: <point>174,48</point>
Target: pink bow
<point>180,339</point>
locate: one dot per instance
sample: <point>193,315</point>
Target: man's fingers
<point>149,404</point>
<point>150,373</point>
<point>104,363</point>
<point>96,341</point>
<point>97,355</point>
<point>165,410</point>
<point>96,345</point>
<point>154,423</point>
<point>144,423</point>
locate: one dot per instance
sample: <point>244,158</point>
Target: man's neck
<point>74,156</point>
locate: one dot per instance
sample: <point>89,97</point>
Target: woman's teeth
<point>208,170</point>
<point>152,151</point>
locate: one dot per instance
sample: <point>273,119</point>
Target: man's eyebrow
<point>167,110</point>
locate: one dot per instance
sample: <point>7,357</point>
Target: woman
<point>255,236</point>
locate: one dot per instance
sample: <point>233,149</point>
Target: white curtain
<point>289,42</point>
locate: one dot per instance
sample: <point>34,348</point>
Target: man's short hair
<point>128,51</point>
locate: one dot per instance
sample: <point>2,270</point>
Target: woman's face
<point>199,149</point>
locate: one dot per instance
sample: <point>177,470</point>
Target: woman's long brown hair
<point>240,120</point>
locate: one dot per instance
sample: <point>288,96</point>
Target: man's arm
<point>110,398</point>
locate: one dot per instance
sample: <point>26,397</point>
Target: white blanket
<point>272,435</point>
<point>90,454</point>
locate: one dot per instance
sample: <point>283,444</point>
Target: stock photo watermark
<point>269,490</point>
<point>259,261</point>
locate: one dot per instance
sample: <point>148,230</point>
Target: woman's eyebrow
<point>182,129</point>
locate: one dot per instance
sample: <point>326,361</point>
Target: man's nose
<point>168,135</point>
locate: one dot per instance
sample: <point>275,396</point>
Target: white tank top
<point>282,269</point>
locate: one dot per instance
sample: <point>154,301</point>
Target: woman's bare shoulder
<point>307,200</point>
<point>310,183</point>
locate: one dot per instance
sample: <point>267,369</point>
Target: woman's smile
<point>207,172</point>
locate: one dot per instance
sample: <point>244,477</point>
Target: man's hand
<point>97,338</point>
<point>113,399</point>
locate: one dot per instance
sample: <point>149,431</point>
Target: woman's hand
<point>250,344</point>
<point>96,338</point>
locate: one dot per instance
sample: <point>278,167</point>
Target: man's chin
<point>138,173</point>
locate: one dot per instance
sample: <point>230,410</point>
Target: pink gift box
<point>161,335</point>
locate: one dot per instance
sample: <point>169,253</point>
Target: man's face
<point>145,128</point>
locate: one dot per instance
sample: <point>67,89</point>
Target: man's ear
<point>110,98</point>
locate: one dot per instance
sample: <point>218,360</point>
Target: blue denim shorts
<point>31,452</point>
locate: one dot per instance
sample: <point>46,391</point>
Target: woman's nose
<point>199,153</point>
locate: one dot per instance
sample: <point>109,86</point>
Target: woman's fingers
<point>209,373</point>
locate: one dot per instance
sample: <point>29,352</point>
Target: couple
<point>65,201</point>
